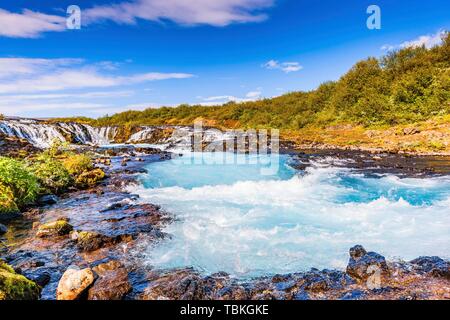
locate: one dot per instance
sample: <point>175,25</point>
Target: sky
<point>136,54</point>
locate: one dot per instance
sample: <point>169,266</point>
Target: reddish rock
<point>112,283</point>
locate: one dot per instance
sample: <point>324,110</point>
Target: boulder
<point>74,283</point>
<point>3,229</point>
<point>14,286</point>
<point>112,282</point>
<point>363,264</point>
<point>54,228</point>
<point>433,265</point>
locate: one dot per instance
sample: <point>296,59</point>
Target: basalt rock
<point>53,229</point>
<point>432,265</point>
<point>178,285</point>
<point>363,264</point>
<point>74,283</point>
<point>112,283</point>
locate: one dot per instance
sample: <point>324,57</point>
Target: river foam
<point>232,218</point>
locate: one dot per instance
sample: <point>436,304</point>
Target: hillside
<point>377,99</point>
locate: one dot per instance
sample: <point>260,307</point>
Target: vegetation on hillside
<point>405,86</point>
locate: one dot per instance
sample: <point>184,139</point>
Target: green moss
<point>55,228</point>
<point>14,286</point>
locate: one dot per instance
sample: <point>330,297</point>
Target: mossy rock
<point>90,178</point>
<point>55,228</point>
<point>90,241</point>
<point>14,286</point>
<point>7,203</point>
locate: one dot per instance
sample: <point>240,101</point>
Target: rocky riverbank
<point>87,245</point>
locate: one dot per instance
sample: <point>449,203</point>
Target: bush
<point>51,174</point>
<point>76,164</point>
<point>7,203</point>
<point>19,186</point>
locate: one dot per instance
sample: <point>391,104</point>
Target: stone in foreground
<point>74,283</point>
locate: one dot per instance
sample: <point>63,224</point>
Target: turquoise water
<point>252,215</point>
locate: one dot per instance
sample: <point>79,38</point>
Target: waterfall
<point>142,135</point>
<point>42,134</point>
<point>38,134</point>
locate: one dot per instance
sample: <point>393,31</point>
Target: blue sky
<point>149,53</point>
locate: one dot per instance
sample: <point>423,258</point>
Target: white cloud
<point>187,12</point>
<point>286,67</point>
<point>19,108</point>
<point>429,41</point>
<point>13,67</point>
<point>219,100</point>
<point>254,94</point>
<point>38,75</point>
<point>29,24</point>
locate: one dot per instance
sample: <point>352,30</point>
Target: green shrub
<point>17,182</point>
<point>51,174</point>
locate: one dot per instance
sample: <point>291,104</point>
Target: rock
<point>53,229</point>
<point>182,284</point>
<point>363,264</point>
<point>3,229</point>
<point>433,265</point>
<point>90,241</point>
<point>42,278</point>
<point>48,200</point>
<point>357,252</point>
<point>14,286</point>
<point>74,283</point>
<point>410,131</point>
<point>112,283</point>
<point>301,295</point>
<point>353,295</point>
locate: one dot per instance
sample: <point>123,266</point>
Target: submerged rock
<point>48,200</point>
<point>363,264</point>
<point>14,286</point>
<point>74,283</point>
<point>112,283</point>
<point>55,228</point>
<point>3,229</point>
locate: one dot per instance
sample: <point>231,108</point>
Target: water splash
<point>234,220</point>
